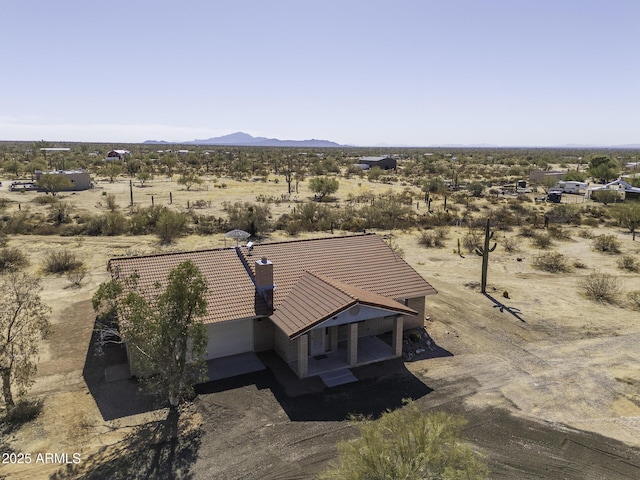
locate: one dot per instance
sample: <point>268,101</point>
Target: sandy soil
<point>549,382</point>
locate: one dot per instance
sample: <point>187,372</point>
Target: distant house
<point>309,300</point>
<point>80,179</point>
<point>117,155</point>
<point>385,163</point>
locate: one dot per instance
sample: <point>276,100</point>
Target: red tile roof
<point>361,261</point>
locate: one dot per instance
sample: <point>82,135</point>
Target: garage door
<point>230,338</point>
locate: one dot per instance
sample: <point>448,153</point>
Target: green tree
<point>112,170</point>
<point>144,176</point>
<point>189,180</point>
<point>628,214</point>
<point>574,176</point>
<point>163,329</point>
<point>53,183</point>
<point>410,445</point>
<point>170,225</point>
<point>24,319</point>
<point>603,168</point>
<point>323,186</point>
<point>251,217</point>
<point>434,185</point>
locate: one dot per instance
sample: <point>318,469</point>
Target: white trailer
<point>572,187</point>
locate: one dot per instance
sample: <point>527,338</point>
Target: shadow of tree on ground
<point>162,449</point>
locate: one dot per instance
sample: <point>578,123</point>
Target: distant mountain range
<point>241,139</point>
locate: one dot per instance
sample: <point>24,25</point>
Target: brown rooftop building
<point>308,300</point>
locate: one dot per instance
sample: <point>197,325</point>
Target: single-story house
<point>80,179</point>
<point>113,155</point>
<point>305,299</point>
<point>385,162</point>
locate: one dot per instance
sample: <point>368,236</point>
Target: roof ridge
<point>329,280</point>
<point>300,240</point>
<point>219,249</point>
<point>164,254</point>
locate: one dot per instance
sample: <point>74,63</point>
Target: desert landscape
<point>547,377</point>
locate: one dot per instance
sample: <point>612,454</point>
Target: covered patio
<point>370,350</point>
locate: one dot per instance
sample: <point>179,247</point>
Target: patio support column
<point>333,333</point>
<point>396,341</point>
<point>303,356</point>
<point>352,344</point>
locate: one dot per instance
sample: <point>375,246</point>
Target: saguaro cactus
<point>484,253</point>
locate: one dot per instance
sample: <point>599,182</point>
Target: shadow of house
<point>120,397</point>
<point>382,386</point>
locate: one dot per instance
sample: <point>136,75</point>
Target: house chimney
<point>264,273</point>
<point>264,279</point>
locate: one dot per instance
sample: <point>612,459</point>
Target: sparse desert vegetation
<point>561,296</point>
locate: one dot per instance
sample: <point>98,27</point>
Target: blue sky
<point>402,72</point>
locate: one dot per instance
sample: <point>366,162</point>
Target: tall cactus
<point>484,253</point>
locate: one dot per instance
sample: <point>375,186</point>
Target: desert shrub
<point>24,411</point>
<point>60,212</point>
<point>409,444</point>
<point>111,202</point>
<point>557,232</point>
<point>170,225</point>
<point>527,231</point>
<point>628,263</point>
<point>634,298</point>
<point>438,219</point>
<point>601,287</point>
<point>250,217</point>
<point>605,196</point>
<point>207,225</point>
<point>542,240</point>
<point>552,262</point>
<point>143,220</point>
<point>565,214</point>
<point>12,259</point>
<point>472,240</point>
<point>19,223</point>
<point>590,222</point>
<point>4,201</point>
<point>511,244</point>
<point>313,216</point>
<point>606,243</point>
<point>94,225</point>
<point>475,188</point>
<point>433,238</point>
<point>60,261</point>
<point>44,200</point>
<point>503,218</point>
<point>76,276</point>
<point>588,234</point>
<point>115,224</point>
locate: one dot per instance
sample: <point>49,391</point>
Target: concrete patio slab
<point>234,365</point>
<point>338,377</point>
